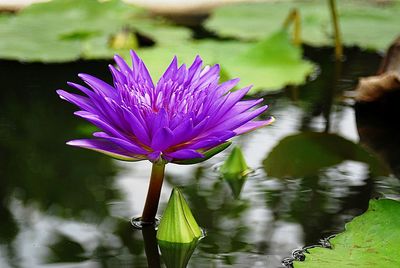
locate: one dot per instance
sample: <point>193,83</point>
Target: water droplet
<point>137,223</point>
<point>288,262</point>
<point>298,254</point>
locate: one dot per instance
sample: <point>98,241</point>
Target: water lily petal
<point>140,69</point>
<point>105,147</point>
<point>99,86</point>
<point>162,139</point>
<point>184,154</point>
<point>80,101</point>
<point>173,66</point>
<point>206,143</point>
<point>253,125</point>
<point>130,146</point>
<point>95,120</point>
<point>123,67</point>
<point>235,122</point>
<point>154,156</point>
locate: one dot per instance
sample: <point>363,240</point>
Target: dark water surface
<point>68,207</point>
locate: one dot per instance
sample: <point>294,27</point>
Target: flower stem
<point>153,194</point>
<point>336,29</point>
<point>294,18</point>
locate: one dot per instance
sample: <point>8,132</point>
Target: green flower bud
<point>235,170</point>
<point>178,224</point>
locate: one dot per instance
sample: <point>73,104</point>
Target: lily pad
<point>158,58</point>
<point>97,30</point>
<point>370,240</point>
<point>271,63</point>
<point>267,65</point>
<point>308,153</point>
<point>365,24</point>
<point>58,30</point>
<point>65,30</point>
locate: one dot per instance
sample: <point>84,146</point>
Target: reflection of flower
<point>185,114</point>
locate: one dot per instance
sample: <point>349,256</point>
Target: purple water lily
<point>185,115</point>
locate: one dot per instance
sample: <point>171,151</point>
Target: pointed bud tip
<point>178,224</point>
<point>235,165</point>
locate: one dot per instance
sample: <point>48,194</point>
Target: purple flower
<point>183,116</point>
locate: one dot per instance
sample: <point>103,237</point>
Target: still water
<point>315,168</point>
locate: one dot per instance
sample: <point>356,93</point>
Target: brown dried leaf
<point>373,88</point>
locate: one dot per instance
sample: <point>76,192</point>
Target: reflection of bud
<point>235,171</point>
<point>177,255</point>
<point>178,232</point>
<point>178,224</point>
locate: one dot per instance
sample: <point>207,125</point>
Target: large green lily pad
<point>267,65</point>
<point>65,30</point>
<point>58,30</point>
<point>363,23</point>
<point>308,153</point>
<point>271,63</point>
<point>370,240</point>
<point>158,58</point>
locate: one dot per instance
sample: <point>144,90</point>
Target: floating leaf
<point>271,63</point>
<point>235,170</point>
<point>178,224</point>
<point>91,30</point>
<point>57,30</point>
<point>365,24</point>
<point>268,65</point>
<point>162,32</point>
<point>370,240</point>
<point>307,153</point>
<point>158,58</point>
<point>65,30</point>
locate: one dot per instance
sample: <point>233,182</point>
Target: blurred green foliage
<point>367,24</point>
<point>67,30</point>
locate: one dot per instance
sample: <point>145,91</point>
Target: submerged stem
<point>153,194</point>
<point>151,247</point>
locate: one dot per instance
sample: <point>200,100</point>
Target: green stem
<point>294,18</point>
<point>153,194</point>
<point>338,39</point>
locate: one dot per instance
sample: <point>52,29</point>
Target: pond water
<point>67,207</point>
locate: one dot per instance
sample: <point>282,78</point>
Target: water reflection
<point>151,247</point>
<point>37,166</point>
<point>64,205</point>
<point>376,125</point>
